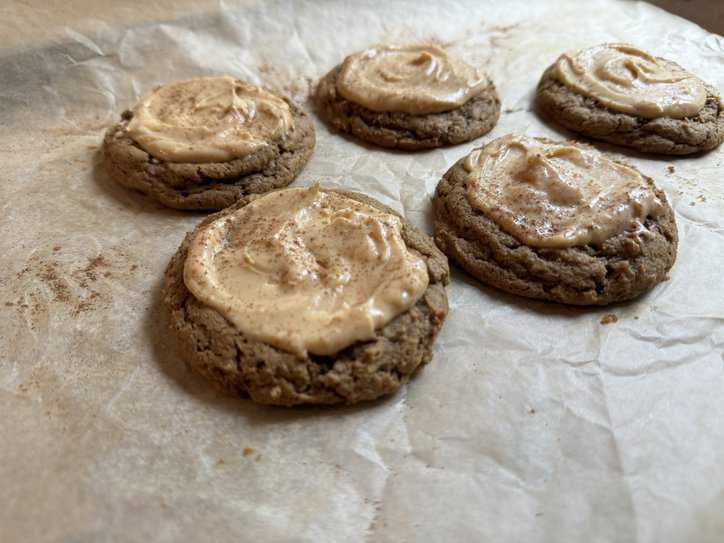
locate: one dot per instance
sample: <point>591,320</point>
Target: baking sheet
<point>534,422</point>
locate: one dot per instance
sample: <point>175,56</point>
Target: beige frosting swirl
<point>208,119</point>
<point>627,79</point>
<point>556,195</point>
<point>306,270</point>
<point>416,79</point>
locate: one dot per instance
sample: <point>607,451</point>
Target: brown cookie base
<point>405,131</point>
<point>665,135</point>
<point>362,371</point>
<point>207,186</point>
<point>622,268</point>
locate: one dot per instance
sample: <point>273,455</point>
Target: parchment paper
<point>534,422</point>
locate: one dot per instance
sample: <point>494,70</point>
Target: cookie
<point>281,368</point>
<point>691,120</point>
<point>424,98</point>
<point>228,140</point>
<point>506,241</point>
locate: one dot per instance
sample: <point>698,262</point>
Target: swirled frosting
<point>415,79</point>
<point>624,78</point>
<point>556,195</point>
<point>208,119</point>
<point>306,270</point>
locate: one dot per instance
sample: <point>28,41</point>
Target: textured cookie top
<point>208,119</point>
<point>305,270</point>
<point>556,195</point>
<point>624,78</point>
<point>415,79</point>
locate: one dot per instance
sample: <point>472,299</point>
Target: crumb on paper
<point>248,451</point>
<point>531,411</point>
<point>609,318</point>
<point>671,169</point>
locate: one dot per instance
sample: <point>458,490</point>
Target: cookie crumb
<point>671,169</point>
<point>56,248</point>
<point>609,318</point>
<point>248,451</point>
<point>531,411</point>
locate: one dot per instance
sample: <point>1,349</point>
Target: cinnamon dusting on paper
<point>48,278</point>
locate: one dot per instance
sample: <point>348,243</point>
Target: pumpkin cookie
<point>307,296</point>
<point>620,94</point>
<point>554,221</point>
<point>411,97</point>
<point>205,143</point>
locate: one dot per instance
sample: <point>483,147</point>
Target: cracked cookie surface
<point>363,371</point>
<point>622,267</point>
<point>405,131</point>
<point>663,135</point>
<point>208,186</point>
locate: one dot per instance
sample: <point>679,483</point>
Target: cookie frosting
<point>208,119</point>
<point>556,195</point>
<point>626,79</point>
<point>415,79</point>
<point>305,270</point>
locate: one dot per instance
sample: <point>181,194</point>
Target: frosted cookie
<point>206,142</point>
<point>620,94</point>
<point>554,221</point>
<point>408,97</point>
<point>307,296</point>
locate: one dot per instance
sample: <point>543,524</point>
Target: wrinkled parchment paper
<point>534,422</point>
